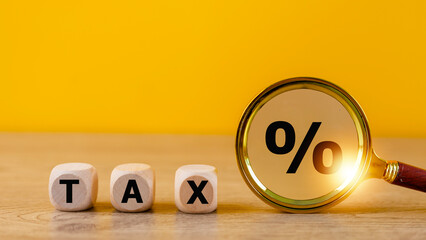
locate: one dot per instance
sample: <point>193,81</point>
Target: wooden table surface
<point>376,210</point>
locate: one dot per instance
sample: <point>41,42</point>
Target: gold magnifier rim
<point>327,200</point>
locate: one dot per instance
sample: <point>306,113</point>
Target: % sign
<point>334,152</point>
<point>290,137</point>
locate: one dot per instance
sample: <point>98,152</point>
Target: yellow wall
<point>192,66</point>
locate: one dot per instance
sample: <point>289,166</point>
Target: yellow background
<point>192,66</point>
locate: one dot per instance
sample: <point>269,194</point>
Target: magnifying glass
<point>303,145</point>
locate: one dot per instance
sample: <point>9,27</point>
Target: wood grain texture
<point>376,210</point>
<point>411,177</point>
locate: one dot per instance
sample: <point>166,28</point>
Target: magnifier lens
<point>303,144</point>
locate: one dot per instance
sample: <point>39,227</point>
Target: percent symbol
<point>290,139</point>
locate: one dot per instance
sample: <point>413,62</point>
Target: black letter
<point>132,184</point>
<point>69,183</point>
<point>197,192</point>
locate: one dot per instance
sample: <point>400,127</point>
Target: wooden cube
<point>196,189</point>
<point>73,186</point>
<point>132,187</point>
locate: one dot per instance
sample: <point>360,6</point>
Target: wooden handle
<point>405,175</point>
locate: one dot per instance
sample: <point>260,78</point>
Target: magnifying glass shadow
<point>225,209</point>
<point>376,196</point>
<point>372,209</point>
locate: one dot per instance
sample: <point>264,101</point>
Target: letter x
<point>197,192</point>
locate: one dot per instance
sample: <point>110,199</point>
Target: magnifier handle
<point>405,175</point>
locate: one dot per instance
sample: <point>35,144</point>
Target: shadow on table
<point>372,209</point>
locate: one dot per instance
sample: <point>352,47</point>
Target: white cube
<point>132,187</point>
<point>196,188</point>
<point>73,186</point>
